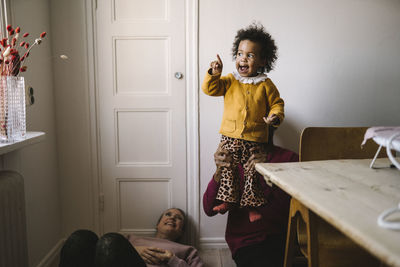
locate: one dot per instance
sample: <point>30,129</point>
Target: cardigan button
<point>248,92</point>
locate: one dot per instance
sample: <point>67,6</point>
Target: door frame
<point>192,117</point>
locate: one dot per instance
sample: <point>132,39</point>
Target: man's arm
<point>209,201</point>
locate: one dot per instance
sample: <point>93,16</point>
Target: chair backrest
<point>325,143</point>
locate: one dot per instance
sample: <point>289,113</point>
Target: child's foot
<point>222,208</point>
<point>254,215</point>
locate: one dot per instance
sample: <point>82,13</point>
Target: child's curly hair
<point>256,33</point>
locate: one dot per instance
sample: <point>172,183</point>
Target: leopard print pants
<point>229,189</point>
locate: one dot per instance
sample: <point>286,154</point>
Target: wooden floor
<point>217,257</point>
<point>223,258</point>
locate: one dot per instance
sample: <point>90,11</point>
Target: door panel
<point>140,10</point>
<point>129,191</point>
<point>140,45</point>
<point>152,126</point>
<point>149,73</point>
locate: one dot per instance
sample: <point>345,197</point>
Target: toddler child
<point>251,104</point>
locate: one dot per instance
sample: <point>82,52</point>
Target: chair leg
<point>290,238</point>
<point>310,219</point>
<point>312,239</point>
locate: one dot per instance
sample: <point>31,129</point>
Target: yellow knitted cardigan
<point>245,105</point>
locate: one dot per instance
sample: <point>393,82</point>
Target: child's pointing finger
<point>219,60</point>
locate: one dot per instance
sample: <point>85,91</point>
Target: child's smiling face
<point>248,58</point>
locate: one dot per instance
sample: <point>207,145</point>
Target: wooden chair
<point>322,244</point>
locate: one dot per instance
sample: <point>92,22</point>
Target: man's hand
<point>216,66</point>
<point>153,255</point>
<point>256,157</point>
<point>222,158</point>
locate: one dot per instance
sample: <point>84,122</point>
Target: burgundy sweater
<point>240,232</point>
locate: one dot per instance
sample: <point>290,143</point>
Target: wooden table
<point>347,194</point>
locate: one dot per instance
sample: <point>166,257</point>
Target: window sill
<point>31,138</point>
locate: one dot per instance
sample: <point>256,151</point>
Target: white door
<point>141,107</point>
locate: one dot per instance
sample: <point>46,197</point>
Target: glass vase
<point>12,109</point>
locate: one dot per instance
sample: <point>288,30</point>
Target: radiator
<point>13,241</point>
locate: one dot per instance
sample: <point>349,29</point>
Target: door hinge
<point>101,202</point>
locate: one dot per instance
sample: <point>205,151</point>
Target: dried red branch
<point>10,60</point>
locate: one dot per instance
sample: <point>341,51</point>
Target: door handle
<point>178,75</point>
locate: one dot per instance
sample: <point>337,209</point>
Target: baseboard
<point>52,258</point>
<point>212,242</point>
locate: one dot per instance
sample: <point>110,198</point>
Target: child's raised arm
<point>216,66</point>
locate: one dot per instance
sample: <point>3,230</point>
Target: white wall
<point>38,163</point>
<point>338,65</point>
<point>72,98</point>
<point>58,172</point>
